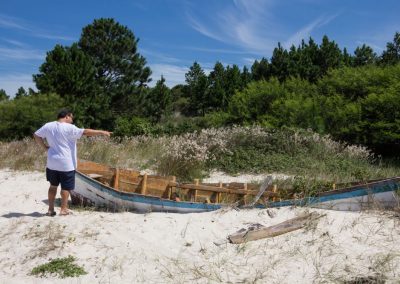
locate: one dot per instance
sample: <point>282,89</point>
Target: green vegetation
<point>300,153</point>
<point>61,267</point>
<point>103,79</point>
<point>24,115</point>
<point>330,94</point>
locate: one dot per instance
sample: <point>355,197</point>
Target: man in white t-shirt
<point>61,137</point>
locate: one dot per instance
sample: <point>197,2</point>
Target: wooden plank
<point>274,190</point>
<point>144,184</point>
<point>219,193</point>
<point>92,166</point>
<point>221,190</point>
<point>260,232</point>
<point>107,174</point>
<point>245,196</point>
<point>116,179</point>
<point>129,182</point>
<point>94,176</point>
<point>194,196</point>
<point>169,188</point>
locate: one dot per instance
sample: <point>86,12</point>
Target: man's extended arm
<point>39,140</point>
<point>92,132</point>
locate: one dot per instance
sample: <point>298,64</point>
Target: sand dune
<point>179,248</point>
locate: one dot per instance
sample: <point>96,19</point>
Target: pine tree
<point>364,55</point>
<point>3,95</point>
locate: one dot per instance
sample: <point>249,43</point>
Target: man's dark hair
<point>63,113</point>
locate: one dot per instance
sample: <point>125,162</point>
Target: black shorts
<point>67,179</point>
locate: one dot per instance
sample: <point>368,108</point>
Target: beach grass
<point>312,158</point>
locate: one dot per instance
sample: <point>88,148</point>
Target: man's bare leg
<point>64,202</point>
<point>52,197</point>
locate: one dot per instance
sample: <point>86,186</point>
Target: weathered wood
<point>171,187</point>
<point>94,176</point>
<point>144,184</point>
<point>236,185</point>
<point>219,193</point>
<point>105,173</point>
<point>246,235</point>
<point>221,190</point>
<point>274,190</point>
<point>92,166</point>
<point>116,179</point>
<point>245,196</point>
<point>194,193</point>
<point>129,182</point>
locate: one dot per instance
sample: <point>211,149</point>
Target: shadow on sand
<point>17,215</point>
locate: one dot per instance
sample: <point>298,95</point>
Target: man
<point>61,137</point>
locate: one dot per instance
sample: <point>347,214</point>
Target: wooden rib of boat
<point>125,189</point>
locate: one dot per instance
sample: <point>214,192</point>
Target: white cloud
<point>306,31</point>
<point>249,24</point>
<point>12,82</point>
<point>249,60</point>
<point>13,23</point>
<point>160,56</point>
<point>53,36</point>
<point>29,29</point>
<point>204,30</point>
<point>173,74</point>
<point>14,42</point>
<point>216,50</point>
<point>21,54</point>
<point>378,37</point>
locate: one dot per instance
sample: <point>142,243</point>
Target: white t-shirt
<point>61,137</point>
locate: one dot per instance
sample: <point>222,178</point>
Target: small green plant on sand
<point>62,267</point>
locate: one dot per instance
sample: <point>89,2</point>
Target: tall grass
<point>237,149</point>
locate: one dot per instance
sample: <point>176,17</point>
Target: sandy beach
<point>180,248</point>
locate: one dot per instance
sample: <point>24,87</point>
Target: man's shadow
<point>33,214</point>
<point>17,214</point>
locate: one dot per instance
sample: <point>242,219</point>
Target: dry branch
<point>260,232</point>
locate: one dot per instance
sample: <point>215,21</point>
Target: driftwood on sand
<point>257,231</point>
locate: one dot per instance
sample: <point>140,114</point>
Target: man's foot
<point>51,213</point>
<point>65,212</point>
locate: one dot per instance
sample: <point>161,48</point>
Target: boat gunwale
<point>359,186</point>
<point>163,201</point>
<point>358,190</point>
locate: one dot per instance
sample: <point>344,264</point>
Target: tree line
<point>104,80</point>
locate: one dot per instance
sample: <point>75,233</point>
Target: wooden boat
<point>125,189</point>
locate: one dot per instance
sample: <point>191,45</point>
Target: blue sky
<point>175,33</point>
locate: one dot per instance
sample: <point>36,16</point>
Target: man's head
<point>65,115</point>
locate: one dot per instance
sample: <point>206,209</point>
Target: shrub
<point>62,267</point>
<point>132,126</point>
<point>217,119</point>
<point>22,117</point>
<point>236,149</point>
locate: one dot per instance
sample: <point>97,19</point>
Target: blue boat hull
<point>379,194</point>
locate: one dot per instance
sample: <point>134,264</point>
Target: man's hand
<point>92,132</point>
<point>40,142</point>
<point>107,133</point>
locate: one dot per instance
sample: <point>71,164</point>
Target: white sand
<point>179,248</point>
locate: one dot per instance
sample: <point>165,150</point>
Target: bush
<point>62,267</point>
<point>132,126</point>
<point>236,149</point>
<point>23,116</point>
<point>217,119</point>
